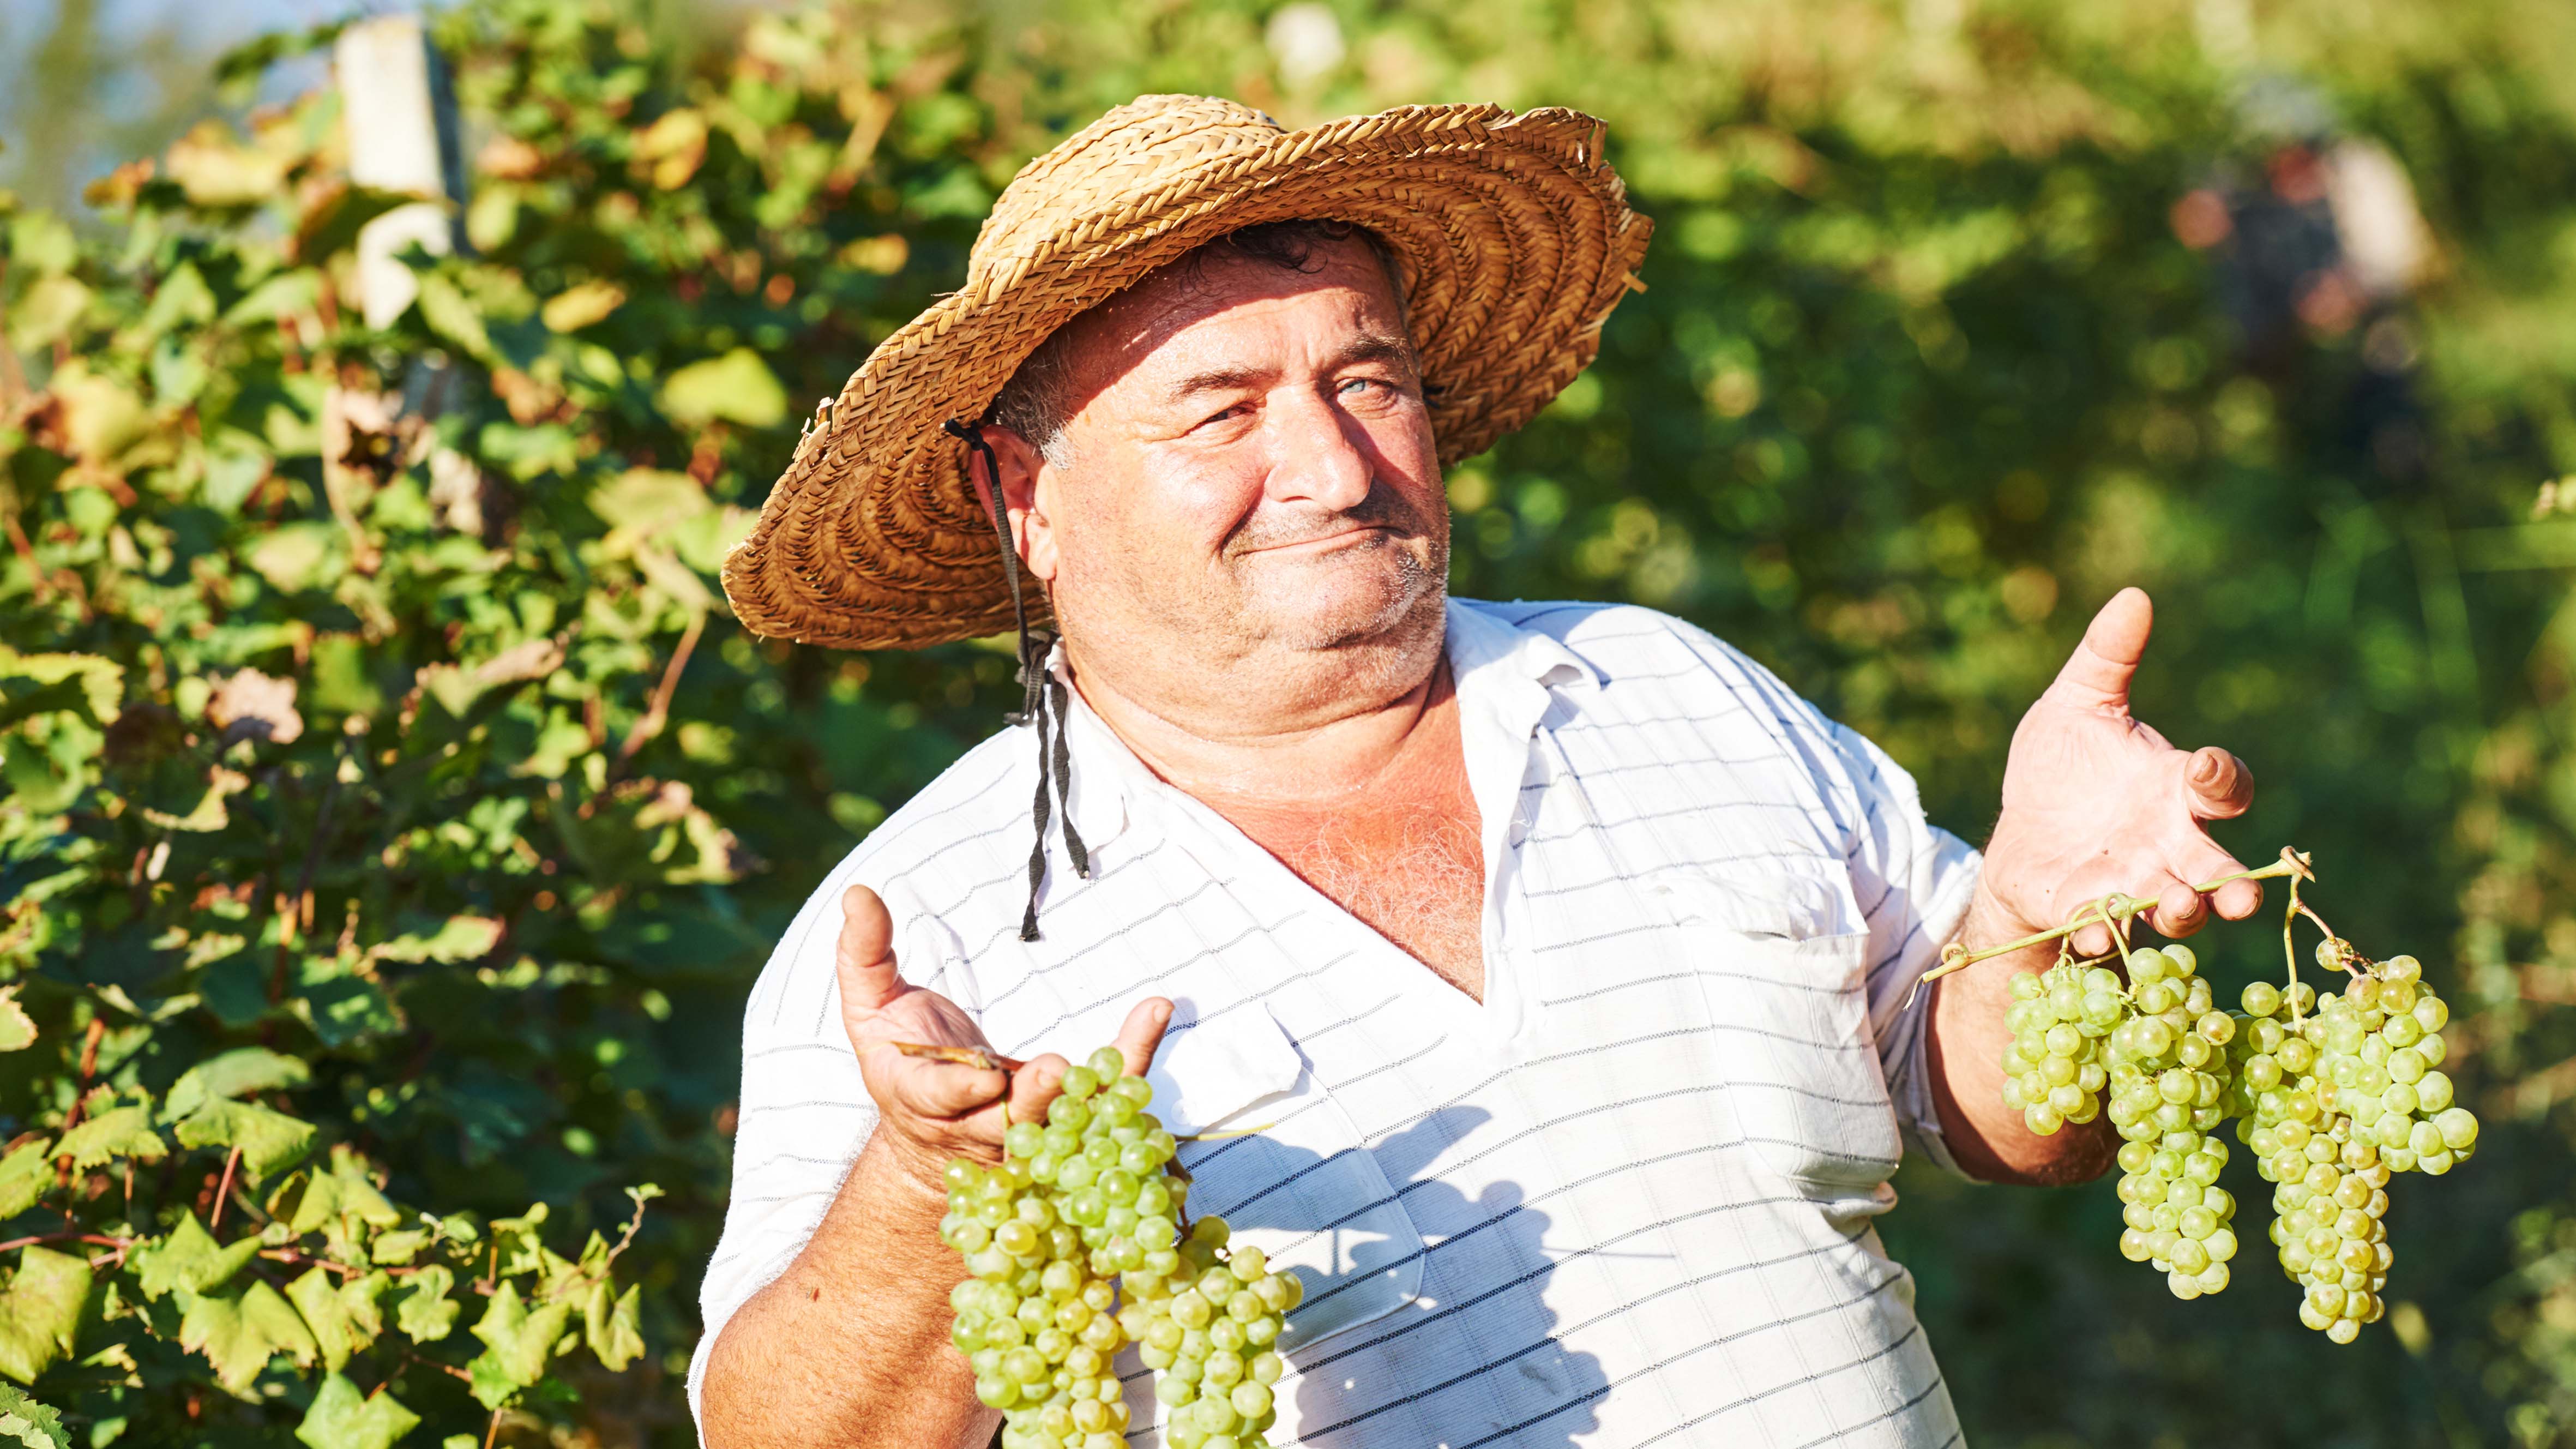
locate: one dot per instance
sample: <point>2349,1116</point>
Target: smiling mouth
<point>1330,542</point>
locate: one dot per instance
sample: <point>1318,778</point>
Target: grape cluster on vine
<point>2332,1096</point>
<point>1075,1247</point>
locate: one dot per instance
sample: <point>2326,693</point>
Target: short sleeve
<point>1914,881</point>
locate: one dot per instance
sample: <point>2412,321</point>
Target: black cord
<point>1055,758</point>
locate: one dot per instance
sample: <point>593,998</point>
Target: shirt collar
<point>1502,673</point>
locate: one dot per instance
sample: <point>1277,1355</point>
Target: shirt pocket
<point>1788,1002</point>
<point>1299,1182</point>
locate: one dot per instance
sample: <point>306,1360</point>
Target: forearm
<point>1964,1052</point>
<point>849,1347</point>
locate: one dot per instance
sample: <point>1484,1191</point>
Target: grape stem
<point>2116,910</point>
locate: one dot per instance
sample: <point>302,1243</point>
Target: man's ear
<point>1025,476</point>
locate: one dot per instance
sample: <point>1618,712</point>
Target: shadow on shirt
<point>1480,1336</point>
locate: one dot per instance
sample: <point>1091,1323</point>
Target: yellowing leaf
<point>343,1418</point>
<point>190,1258</point>
<point>17,1028</point>
<point>40,1311</point>
<point>102,417</point>
<point>737,387</point>
<point>459,938</point>
<point>268,1140</point>
<point>581,305</point>
<point>671,149</point>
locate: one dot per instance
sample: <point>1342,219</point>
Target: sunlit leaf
<point>343,1418</point>
<point>117,1132</point>
<point>40,1311</point>
<point>189,1258</point>
<point>236,1073</point>
<point>269,1140</point>
<point>239,1334</point>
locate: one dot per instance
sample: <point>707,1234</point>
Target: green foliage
<point>394,817</point>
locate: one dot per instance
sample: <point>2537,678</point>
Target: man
<point>1563,958</point>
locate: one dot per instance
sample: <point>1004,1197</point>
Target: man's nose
<point>1322,454</point>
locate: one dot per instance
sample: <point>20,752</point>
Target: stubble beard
<point>1251,631</point>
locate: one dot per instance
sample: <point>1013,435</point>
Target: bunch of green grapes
<point>1075,1250</point>
<point>2380,1052</point>
<point>2170,1074</point>
<point>2331,1096</point>
<point>1209,1331</point>
<point>2054,1067</point>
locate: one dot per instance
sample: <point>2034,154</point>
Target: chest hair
<point>1413,870</point>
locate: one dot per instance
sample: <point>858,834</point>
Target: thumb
<point>1142,1033</point>
<point>864,955</point>
<point>2097,674</point>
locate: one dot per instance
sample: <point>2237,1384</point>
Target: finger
<point>1142,1033</point>
<point>2221,786</point>
<point>2093,940</point>
<point>864,955</point>
<point>2179,910</point>
<point>2238,899</point>
<point>1035,1086</point>
<point>943,1089</point>
<point>2097,674</point>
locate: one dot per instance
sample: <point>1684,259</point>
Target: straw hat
<point>1514,239</point>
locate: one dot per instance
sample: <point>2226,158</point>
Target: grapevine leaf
<point>358,1195</point>
<point>519,1342</point>
<point>460,938</point>
<point>396,1248</point>
<point>117,1132</point>
<point>17,1028</point>
<point>737,386</point>
<point>268,1140</point>
<point>491,1381</point>
<point>190,1258</point>
<point>361,1298</point>
<point>615,1333</point>
<point>427,1314</point>
<point>238,1335</point>
<point>40,1312</point>
<point>25,1175</point>
<point>327,1315</point>
<point>234,1074</point>
<point>315,1206</point>
<point>343,1418</point>
<point>24,1421</point>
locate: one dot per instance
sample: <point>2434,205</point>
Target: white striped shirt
<point>1628,1199</point>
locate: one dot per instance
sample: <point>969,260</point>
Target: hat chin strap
<point>1039,691</point>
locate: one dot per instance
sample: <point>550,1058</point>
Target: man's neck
<point>1289,739</point>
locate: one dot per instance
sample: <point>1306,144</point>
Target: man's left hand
<point>2095,802</point>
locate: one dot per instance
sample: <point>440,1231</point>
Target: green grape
<point>1075,1250</point>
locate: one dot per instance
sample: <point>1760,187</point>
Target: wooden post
<point>400,114</point>
<point>398,111</point>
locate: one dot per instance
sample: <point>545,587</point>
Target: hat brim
<point>1515,239</point>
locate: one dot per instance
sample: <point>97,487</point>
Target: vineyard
<point>394,817</point>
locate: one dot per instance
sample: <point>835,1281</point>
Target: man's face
<point>1249,470</point>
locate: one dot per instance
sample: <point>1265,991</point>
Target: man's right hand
<point>930,1111</point>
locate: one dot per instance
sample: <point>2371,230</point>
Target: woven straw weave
<point>1514,238</point>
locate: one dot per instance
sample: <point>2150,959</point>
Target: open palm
<point>2094,802</point>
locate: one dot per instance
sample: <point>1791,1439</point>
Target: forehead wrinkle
<point>1113,340</point>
